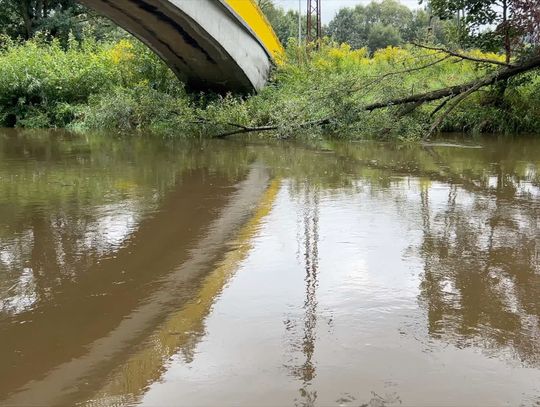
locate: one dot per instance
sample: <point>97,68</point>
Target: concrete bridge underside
<point>224,45</point>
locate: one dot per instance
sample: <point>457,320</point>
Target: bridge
<point>224,45</point>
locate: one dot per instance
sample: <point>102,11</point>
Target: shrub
<point>122,85</point>
<point>39,79</point>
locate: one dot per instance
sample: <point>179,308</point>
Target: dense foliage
<point>44,84</point>
<point>381,24</point>
<point>512,25</point>
<point>91,75</point>
<point>121,85</point>
<point>58,19</point>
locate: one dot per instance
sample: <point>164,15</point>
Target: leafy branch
<point>450,96</point>
<point>464,56</point>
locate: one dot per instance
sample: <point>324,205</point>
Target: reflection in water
<point>481,281</point>
<point>93,248</point>
<point>145,270</point>
<point>64,383</point>
<point>306,372</point>
<point>183,329</point>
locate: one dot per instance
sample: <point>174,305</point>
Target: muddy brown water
<point>140,271</point>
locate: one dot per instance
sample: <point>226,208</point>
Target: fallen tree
<point>450,96</point>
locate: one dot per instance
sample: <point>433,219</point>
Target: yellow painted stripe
<point>252,15</point>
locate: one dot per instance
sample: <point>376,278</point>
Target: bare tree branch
<point>464,56</point>
<point>452,106</point>
<point>441,105</point>
<point>499,75</point>
<point>414,69</point>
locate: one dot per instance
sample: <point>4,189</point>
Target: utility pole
<point>314,24</point>
<point>299,22</point>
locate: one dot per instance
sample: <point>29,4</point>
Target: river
<point>144,271</point>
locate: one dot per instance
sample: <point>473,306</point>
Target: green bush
<point>139,107</point>
<point>121,85</point>
<point>42,83</point>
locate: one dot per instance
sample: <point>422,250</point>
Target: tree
<point>24,18</point>
<point>389,12</point>
<point>382,36</point>
<point>350,26</point>
<point>54,18</point>
<point>381,24</point>
<point>428,28</point>
<point>495,25</point>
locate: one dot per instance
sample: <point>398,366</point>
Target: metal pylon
<point>314,25</point>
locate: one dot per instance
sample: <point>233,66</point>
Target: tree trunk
<point>506,32</point>
<point>27,17</point>
<point>499,75</point>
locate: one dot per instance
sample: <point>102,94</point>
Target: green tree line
<point>374,26</point>
<point>473,68</point>
<point>489,25</point>
<point>53,19</point>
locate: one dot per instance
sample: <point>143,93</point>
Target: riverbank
<point>122,86</point>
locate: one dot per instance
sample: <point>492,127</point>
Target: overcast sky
<point>330,7</point>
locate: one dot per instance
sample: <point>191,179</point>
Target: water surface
<point>138,271</point>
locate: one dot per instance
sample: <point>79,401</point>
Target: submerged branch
<point>245,130</point>
<point>241,129</point>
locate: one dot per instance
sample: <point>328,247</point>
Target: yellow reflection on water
<point>181,331</point>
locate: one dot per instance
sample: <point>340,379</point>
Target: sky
<point>330,7</point>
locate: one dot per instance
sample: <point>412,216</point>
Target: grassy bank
<point>122,85</point>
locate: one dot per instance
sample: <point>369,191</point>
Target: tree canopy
<point>24,19</point>
<point>380,24</point>
<point>512,25</point>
